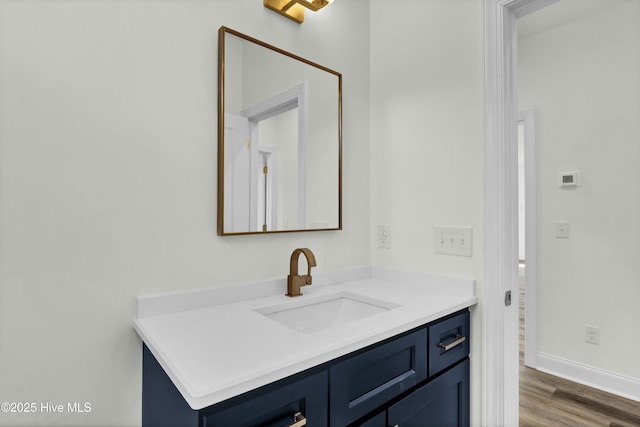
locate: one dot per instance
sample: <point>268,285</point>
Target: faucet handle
<point>308,279</point>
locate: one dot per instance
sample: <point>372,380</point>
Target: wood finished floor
<point>546,400</point>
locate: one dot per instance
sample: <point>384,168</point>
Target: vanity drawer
<point>368,380</point>
<point>301,402</point>
<point>448,342</point>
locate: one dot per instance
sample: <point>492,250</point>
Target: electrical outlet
<point>453,240</point>
<point>592,334</point>
<point>384,236</point>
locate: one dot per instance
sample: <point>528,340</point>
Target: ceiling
<point>561,13</point>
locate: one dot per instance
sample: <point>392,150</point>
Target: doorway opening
<point>500,331</point>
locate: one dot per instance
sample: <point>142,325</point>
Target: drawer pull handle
<point>459,340</point>
<point>299,420</point>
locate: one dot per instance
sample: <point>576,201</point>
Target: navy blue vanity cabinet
<point>442,402</point>
<point>294,401</point>
<point>162,403</point>
<point>368,380</point>
<point>443,399</point>
<point>419,378</point>
<point>448,342</point>
<point>300,403</point>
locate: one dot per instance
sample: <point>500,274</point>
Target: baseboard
<point>600,379</point>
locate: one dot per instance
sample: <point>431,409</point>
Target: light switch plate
<point>562,229</point>
<point>453,240</point>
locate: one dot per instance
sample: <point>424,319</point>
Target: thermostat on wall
<point>569,179</point>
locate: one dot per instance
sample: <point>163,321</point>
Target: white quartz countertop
<point>214,347</point>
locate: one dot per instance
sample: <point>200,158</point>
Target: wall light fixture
<point>294,9</point>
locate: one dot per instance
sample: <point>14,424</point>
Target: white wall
<point>108,182</point>
<point>582,79</point>
<point>427,138</point>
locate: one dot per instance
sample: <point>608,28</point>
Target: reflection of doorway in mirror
<point>280,122</point>
<point>258,81</point>
<point>279,135</point>
<point>253,200</point>
<point>267,137</point>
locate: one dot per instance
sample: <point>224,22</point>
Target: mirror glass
<point>279,140</point>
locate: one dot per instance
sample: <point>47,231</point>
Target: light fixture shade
<point>294,9</point>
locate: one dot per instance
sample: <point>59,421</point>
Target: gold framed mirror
<point>279,140</point>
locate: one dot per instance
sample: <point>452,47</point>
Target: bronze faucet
<point>295,281</point>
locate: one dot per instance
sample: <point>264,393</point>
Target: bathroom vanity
<point>382,348</point>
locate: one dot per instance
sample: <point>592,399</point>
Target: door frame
<point>528,119</point>
<point>500,370</point>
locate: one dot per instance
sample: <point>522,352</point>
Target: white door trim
<point>528,118</point>
<point>499,323</point>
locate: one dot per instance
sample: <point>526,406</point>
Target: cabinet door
<point>379,420</point>
<point>444,402</point>
<point>366,381</point>
<point>277,407</point>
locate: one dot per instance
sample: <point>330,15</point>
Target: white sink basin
<point>309,315</point>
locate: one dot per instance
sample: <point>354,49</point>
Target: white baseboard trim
<point>611,382</point>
